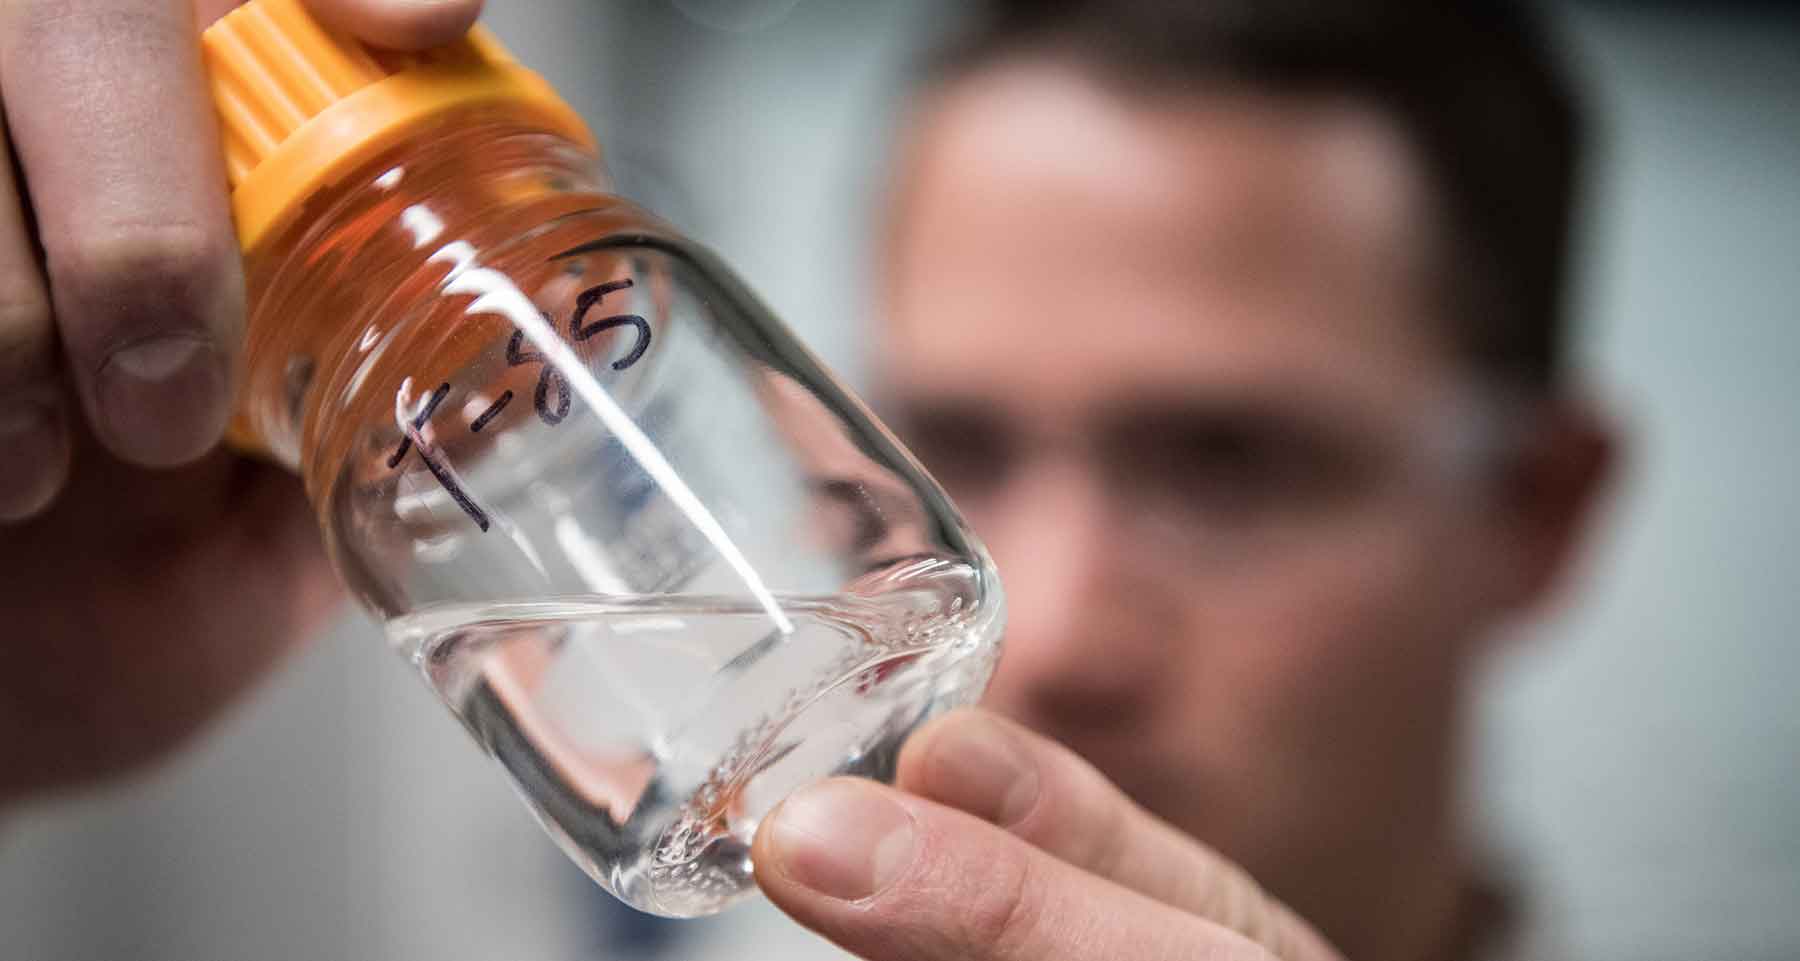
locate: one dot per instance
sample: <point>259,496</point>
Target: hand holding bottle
<point>146,580</point>
<point>1001,845</point>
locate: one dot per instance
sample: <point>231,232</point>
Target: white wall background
<point>1639,754</point>
<point>1647,750</point>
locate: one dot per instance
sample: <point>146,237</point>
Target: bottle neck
<point>345,290</point>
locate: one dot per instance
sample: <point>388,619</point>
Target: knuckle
<point>1004,912</point>
<point>1095,820</point>
<point>1275,928</point>
<point>1233,899</point>
<point>25,332</point>
<point>170,254</point>
<point>150,271</point>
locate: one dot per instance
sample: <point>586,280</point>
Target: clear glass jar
<point>658,561</point>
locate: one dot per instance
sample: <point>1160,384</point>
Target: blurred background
<point>1637,754</point>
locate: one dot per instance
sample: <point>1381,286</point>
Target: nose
<point>1088,626</point>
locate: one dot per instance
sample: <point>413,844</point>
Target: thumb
<point>399,24</point>
<point>1043,793</point>
<point>888,876</point>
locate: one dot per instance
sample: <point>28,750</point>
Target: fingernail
<point>979,767</point>
<point>36,457</point>
<point>164,400</point>
<point>844,838</point>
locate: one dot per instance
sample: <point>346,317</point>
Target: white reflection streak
<point>495,293</point>
<point>432,498</point>
<point>595,567</point>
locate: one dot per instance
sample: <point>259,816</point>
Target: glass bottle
<point>661,565</point>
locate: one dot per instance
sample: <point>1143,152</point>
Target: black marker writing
<point>438,470</point>
<point>448,480</point>
<point>492,412</point>
<point>516,355</point>
<point>586,302</point>
<point>550,381</point>
<point>437,397</point>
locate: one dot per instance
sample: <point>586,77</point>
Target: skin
<point>1258,619</point>
<point>148,578</point>
<point>149,582</point>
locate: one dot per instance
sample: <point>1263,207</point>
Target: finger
<point>400,24</point>
<point>123,548</point>
<point>889,876</point>
<point>1042,792</point>
<point>120,152</point>
<point>33,433</point>
<point>206,11</point>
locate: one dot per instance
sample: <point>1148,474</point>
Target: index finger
<point>1042,792</point>
<point>115,133</point>
<point>399,24</point>
<point>893,877</point>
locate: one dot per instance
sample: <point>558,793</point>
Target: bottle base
<point>656,789</point>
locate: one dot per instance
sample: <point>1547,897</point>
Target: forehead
<point>1053,239</point>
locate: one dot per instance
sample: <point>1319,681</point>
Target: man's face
<point>1174,359</point>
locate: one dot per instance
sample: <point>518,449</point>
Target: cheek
<point>1336,638</point>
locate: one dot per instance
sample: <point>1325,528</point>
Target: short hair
<point>1474,88</point>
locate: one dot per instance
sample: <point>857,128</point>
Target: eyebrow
<point>1280,411</point>
<point>1234,412</point>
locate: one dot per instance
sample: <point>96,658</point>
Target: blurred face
<point>1175,361</point>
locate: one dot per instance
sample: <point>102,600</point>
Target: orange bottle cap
<point>301,106</point>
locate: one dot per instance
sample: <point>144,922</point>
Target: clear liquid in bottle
<point>640,729</point>
<point>647,549</point>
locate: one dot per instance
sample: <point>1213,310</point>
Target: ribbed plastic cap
<point>301,106</point>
